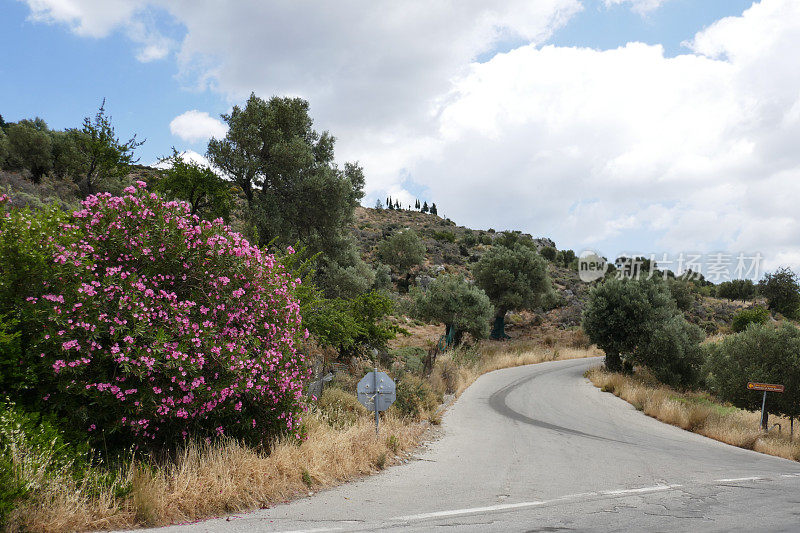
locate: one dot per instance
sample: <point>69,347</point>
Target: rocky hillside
<point>453,249</point>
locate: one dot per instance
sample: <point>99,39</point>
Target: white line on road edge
<point>472,510</point>
<point>656,488</point>
<point>317,530</point>
<point>522,505</point>
<point>739,479</point>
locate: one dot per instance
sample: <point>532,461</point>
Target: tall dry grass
<point>700,413</point>
<point>226,477</point>
<point>210,480</point>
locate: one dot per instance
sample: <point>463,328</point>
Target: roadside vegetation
<point>667,368</point>
<point>184,341</point>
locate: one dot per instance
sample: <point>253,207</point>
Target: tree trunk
<point>499,326</point>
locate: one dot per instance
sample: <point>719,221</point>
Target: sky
<point>621,126</point>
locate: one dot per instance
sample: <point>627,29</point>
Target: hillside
<point>452,248</point>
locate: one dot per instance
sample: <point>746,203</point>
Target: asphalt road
<point>538,448</point>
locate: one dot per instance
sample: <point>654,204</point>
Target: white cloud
<point>195,126</point>
<point>100,18</point>
<point>602,147</point>
<point>594,148</point>
<point>642,7</point>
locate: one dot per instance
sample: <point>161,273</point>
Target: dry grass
<point>227,477</point>
<point>699,413</point>
<point>448,377</point>
<point>210,480</point>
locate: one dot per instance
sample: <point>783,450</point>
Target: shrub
<point>444,236</point>
<point>413,357</point>
<point>745,317</point>
<point>683,293</point>
<point>759,353</point>
<point>672,352</point>
<point>414,397</point>
<point>165,327</point>
<point>736,289</point>
<point>340,408</point>
<point>29,239</point>
<point>549,253</point>
<point>782,291</point>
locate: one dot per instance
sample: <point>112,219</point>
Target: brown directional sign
<point>769,387</point>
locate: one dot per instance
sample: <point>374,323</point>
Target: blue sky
<point>539,116</point>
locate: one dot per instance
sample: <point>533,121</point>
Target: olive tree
<point>513,278</point>
<point>29,147</point>
<point>295,191</point>
<point>760,353</point>
<point>782,291</point>
<point>402,251</point>
<point>460,305</point>
<point>638,322</point>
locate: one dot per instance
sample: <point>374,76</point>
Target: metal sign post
<point>377,413</point>
<point>766,387</point>
<point>377,392</point>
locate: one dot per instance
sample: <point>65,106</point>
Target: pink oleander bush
<point>157,326</point>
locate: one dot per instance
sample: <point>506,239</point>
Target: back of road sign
<point>376,390</point>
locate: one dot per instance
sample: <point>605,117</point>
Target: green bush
<point>745,317</point>
<point>782,291</point>
<point>683,293</point>
<point>414,397</point>
<point>672,352</point>
<point>736,289</point>
<point>444,236</point>
<point>760,353</point>
<point>549,253</point>
<point>413,357</point>
<point>29,239</point>
<point>637,321</point>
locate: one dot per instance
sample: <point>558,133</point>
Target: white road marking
<point>656,488</point>
<point>538,503</point>
<point>471,510</point>
<point>317,530</point>
<point>522,505</point>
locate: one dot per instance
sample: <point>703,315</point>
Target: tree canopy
<point>208,195</point>
<point>637,321</point>
<point>295,191</point>
<point>460,305</point>
<point>402,251</point>
<point>513,278</point>
<point>782,291</point>
<point>761,353</point>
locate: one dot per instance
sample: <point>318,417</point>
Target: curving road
<point>538,448</point>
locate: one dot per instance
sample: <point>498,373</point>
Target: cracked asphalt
<point>538,448</point>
